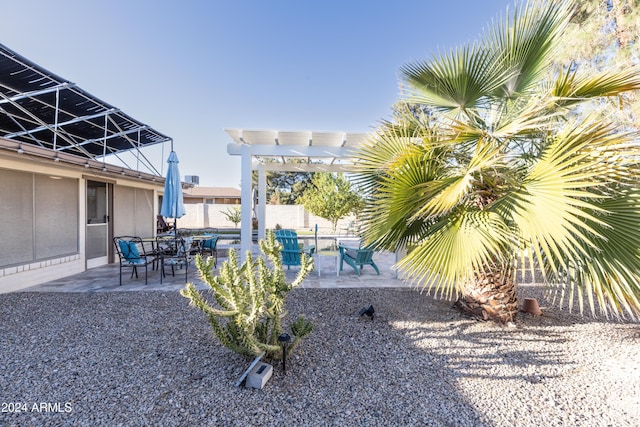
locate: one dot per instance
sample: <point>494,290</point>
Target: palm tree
<point>494,168</point>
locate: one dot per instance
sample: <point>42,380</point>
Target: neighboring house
<point>60,203</point>
<point>205,206</point>
<point>212,195</point>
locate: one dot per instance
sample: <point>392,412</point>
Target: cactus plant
<point>247,305</point>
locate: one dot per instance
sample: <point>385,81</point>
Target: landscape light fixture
<point>368,311</point>
<point>20,150</point>
<point>284,339</point>
<point>56,158</point>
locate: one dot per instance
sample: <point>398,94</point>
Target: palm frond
<point>443,195</point>
<point>525,43</point>
<point>455,248</point>
<point>557,206</point>
<point>611,269</point>
<point>390,168</point>
<point>457,81</point>
<point>571,88</point>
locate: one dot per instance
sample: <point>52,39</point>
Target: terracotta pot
<point>530,305</point>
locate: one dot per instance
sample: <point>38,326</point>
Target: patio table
<point>328,254</point>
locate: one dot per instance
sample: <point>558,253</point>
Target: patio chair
<point>291,249</point>
<point>209,246</point>
<point>357,257</point>
<point>161,225</point>
<point>132,254</point>
<point>174,252</point>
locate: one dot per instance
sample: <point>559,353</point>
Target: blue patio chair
<point>131,251</point>
<point>357,257</point>
<point>174,252</point>
<point>209,246</point>
<point>291,249</point>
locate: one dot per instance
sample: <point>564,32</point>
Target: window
<point>38,217</point>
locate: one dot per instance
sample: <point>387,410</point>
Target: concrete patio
<point>105,278</point>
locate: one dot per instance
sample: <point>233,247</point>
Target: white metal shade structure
<point>323,152</point>
<point>42,110</point>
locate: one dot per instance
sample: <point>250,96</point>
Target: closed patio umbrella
<point>172,202</point>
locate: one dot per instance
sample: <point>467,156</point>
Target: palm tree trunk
<point>490,296</point>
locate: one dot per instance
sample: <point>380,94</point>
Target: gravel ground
<point>147,358</point>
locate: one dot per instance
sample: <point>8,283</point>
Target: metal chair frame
<point>209,245</point>
<point>173,251</point>
<point>133,260</point>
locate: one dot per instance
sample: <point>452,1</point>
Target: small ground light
<point>284,339</point>
<point>368,311</point>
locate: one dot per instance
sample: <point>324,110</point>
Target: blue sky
<point>191,68</point>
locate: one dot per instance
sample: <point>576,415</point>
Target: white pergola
<point>323,151</point>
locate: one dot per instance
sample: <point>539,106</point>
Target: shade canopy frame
<point>40,108</point>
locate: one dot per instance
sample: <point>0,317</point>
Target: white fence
<point>204,215</point>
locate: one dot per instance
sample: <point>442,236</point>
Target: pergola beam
<point>263,150</point>
<point>303,167</point>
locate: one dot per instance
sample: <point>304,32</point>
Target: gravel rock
<point>147,358</point>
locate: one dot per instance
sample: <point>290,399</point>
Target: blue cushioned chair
<point>209,247</point>
<point>131,252</point>
<point>291,250</point>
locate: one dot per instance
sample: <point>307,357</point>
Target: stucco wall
<point>287,216</point>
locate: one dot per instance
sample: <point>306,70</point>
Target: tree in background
<point>331,197</point>
<point>284,188</point>
<point>605,34</point>
<point>505,169</point>
<point>233,214</point>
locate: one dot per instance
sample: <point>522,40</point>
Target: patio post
<point>262,201</point>
<point>246,187</point>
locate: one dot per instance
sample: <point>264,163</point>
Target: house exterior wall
<point>132,208</point>
<point>50,263</point>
